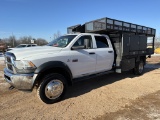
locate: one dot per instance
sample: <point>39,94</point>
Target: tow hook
<point>11,88</point>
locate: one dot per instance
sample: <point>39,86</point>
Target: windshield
<point>62,41</point>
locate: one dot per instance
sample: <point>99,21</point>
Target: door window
<point>84,41</point>
<point>33,45</point>
<point>29,45</point>
<point>101,42</point>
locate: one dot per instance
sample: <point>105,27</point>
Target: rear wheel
<point>139,68</point>
<point>52,88</point>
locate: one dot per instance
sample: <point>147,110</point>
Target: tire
<point>139,68</point>
<point>52,88</point>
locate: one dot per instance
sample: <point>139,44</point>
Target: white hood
<point>22,53</point>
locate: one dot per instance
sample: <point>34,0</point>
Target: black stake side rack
<point>108,25</point>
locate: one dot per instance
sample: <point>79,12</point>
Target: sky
<point>43,18</point>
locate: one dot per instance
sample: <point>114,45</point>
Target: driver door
<point>83,60</point>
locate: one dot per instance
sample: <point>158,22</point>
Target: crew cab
<point>72,57</point>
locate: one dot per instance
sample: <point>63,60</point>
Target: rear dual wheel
<point>139,68</point>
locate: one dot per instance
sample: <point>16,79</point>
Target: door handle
<point>91,53</point>
<point>110,51</point>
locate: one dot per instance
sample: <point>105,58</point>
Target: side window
<point>101,42</point>
<point>84,41</point>
<point>28,45</point>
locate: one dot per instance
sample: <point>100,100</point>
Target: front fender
<point>51,65</point>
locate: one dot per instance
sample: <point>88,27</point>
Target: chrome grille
<point>10,67</point>
<point>8,59</point>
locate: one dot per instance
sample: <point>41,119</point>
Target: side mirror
<point>78,47</point>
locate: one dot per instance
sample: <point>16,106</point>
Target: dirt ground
<point>110,97</point>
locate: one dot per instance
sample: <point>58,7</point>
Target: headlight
<point>24,66</point>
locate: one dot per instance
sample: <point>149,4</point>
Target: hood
<point>22,53</point>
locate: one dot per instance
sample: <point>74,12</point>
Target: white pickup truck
<point>67,59</point>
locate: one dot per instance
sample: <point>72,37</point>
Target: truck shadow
<point>83,87</point>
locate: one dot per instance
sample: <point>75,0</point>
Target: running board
<point>92,76</point>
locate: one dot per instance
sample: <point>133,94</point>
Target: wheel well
<point>54,70</point>
<point>141,58</point>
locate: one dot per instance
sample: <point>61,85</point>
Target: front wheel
<point>139,68</point>
<point>52,88</point>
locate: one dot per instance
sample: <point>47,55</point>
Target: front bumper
<point>20,81</point>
